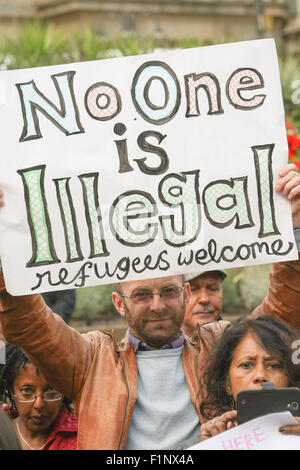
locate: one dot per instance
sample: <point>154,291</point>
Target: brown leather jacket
<point>101,376</point>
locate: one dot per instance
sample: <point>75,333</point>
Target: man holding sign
<point>143,393</point>
<point>141,167</point>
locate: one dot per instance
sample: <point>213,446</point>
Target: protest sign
<point>142,167</point>
<point>258,434</point>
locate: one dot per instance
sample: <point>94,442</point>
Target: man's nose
<point>202,296</point>
<point>157,303</point>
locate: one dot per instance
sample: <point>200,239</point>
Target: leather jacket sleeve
<point>61,353</point>
<point>283,297</point>
<point>65,356</point>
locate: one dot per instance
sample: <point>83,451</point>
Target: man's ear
<point>118,303</point>
<point>187,292</point>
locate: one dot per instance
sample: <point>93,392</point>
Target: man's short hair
<point>118,287</point>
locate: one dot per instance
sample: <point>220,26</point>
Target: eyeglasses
<point>30,397</point>
<point>144,296</point>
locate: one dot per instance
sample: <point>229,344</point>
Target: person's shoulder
<point>95,334</point>
<point>98,336</point>
<point>210,332</point>
<point>8,436</point>
<point>104,339</point>
<point>216,327</point>
<point>67,421</point>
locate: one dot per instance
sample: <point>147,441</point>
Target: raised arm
<point>61,353</point>
<point>283,298</point>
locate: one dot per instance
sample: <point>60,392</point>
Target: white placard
<point>142,167</point>
<point>258,434</point>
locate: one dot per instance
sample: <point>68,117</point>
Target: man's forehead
<point>155,283</point>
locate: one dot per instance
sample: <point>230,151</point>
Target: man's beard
<point>154,339</point>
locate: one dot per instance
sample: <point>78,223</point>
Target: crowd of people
<point>171,382</point>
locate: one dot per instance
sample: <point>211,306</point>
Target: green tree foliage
<point>131,44</point>
<point>87,45</point>
<point>244,288</point>
<point>94,303</point>
<point>290,84</point>
<point>34,45</point>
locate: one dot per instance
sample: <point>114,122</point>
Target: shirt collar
<point>139,345</point>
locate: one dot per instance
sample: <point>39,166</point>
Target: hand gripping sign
<point>257,434</point>
<point>142,167</point>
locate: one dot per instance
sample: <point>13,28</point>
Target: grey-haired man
<point>206,298</point>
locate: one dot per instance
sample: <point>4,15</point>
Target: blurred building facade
<point>292,31</point>
<point>170,19</point>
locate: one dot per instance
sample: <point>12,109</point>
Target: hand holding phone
<point>254,403</point>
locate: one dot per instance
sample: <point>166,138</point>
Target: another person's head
<point>27,391</point>
<point>205,302</point>
<point>155,319</point>
<point>249,353</point>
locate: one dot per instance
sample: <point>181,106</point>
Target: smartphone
<point>254,403</point>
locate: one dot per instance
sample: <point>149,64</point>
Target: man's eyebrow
<point>137,289</point>
<point>169,284</point>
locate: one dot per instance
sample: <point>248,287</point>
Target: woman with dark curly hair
<point>249,353</point>
<point>42,417</point>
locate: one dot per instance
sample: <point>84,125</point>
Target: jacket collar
<point>66,421</point>
<point>139,345</point>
